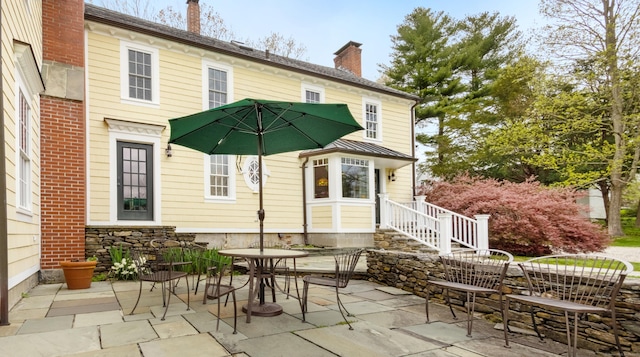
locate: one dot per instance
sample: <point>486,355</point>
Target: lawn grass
<point>631,236</point>
<point>636,266</point>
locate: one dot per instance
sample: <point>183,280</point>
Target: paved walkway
<point>630,254</point>
<point>54,321</point>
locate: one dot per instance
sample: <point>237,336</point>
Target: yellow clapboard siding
<point>182,179</point>
<point>24,24</point>
<point>356,217</point>
<point>321,217</point>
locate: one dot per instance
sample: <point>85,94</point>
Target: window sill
<point>139,102</point>
<point>225,200</point>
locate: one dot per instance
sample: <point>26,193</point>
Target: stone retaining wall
<point>98,239</point>
<point>409,271</point>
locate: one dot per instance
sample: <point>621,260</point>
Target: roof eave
<point>354,152</point>
<point>151,32</point>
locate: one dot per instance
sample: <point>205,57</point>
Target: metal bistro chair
<point>200,268</point>
<point>472,271</point>
<point>219,283</point>
<point>576,284</point>
<point>345,266</point>
<point>160,264</point>
<point>269,272</point>
<point>180,256</point>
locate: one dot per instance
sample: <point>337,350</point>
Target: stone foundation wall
<point>98,239</point>
<point>409,271</point>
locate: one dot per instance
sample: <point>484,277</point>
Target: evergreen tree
<point>451,65</point>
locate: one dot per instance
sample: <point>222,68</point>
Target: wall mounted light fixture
<point>168,151</point>
<point>392,175</point>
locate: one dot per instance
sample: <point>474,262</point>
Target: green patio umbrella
<point>262,127</point>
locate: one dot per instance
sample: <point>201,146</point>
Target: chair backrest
<point>158,257</point>
<point>192,253</point>
<point>280,264</point>
<point>346,263</point>
<point>269,245</point>
<point>584,279</point>
<point>217,266</point>
<point>485,268</point>
<point>164,243</point>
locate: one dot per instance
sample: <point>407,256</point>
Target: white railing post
<point>445,220</point>
<point>483,230</point>
<point>384,214</point>
<point>420,207</point>
<point>420,203</point>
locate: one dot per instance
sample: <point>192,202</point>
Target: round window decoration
<point>251,175</point>
<point>254,177</point>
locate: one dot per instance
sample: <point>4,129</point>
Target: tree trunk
<point>614,225</point>
<point>638,215</point>
<point>618,182</point>
<point>604,190</point>
<point>440,140</point>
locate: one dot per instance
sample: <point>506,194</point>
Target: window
<point>312,97</point>
<point>312,93</point>
<point>24,165</point>
<point>372,120</point>
<point>28,83</point>
<point>139,74</point>
<point>219,169</point>
<point>135,181</point>
<point>217,84</point>
<point>217,87</point>
<point>251,173</point>
<point>219,176</point>
<point>355,178</point>
<point>321,178</point>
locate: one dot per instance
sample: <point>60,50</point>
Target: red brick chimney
<point>193,16</point>
<point>62,131</point>
<point>349,57</point>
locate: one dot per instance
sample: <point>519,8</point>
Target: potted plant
<point>78,274</point>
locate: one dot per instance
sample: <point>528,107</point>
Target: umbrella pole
<point>261,211</point>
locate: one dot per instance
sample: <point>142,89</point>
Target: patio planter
<point>78,274</point>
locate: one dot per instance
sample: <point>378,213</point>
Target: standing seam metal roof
<point>358,147</point>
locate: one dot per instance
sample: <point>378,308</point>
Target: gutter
<point>4,255</point>
<point>413,147</point>
<point>305,234</point>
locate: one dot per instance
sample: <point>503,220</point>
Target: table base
<point>268,309</point>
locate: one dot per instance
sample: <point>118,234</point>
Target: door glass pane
<point>134,187</point>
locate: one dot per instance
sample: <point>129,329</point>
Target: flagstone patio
<point>54,321</point>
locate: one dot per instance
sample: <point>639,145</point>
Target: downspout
<point>413,146</point>
<point>305,234</point>
<point>4,255</point>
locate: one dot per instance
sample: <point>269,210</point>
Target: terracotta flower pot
<point>78,274</point>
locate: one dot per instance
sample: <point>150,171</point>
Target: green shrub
<point>122,265</point>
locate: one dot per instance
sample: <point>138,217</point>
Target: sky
<point>325,26</point>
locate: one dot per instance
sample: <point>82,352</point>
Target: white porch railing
<point>434,226</point>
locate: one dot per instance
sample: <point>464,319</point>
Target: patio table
<point>263,260</point>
